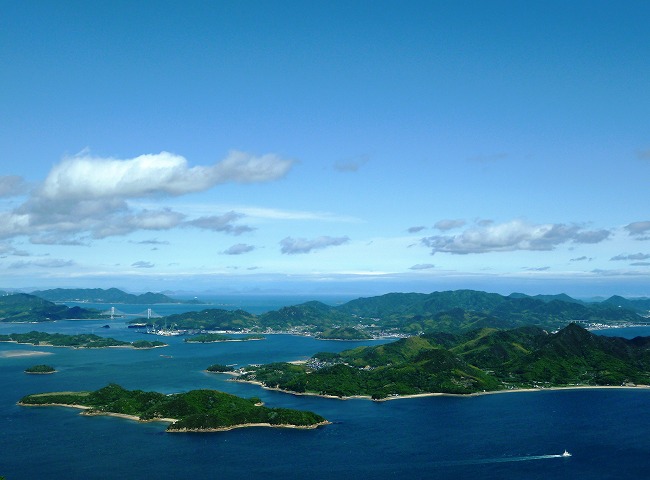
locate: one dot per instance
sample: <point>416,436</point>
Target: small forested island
<point>483,360</point>
<point>193,411</point>
<point>84,340</point>
<point>219,368</point>
<point>218,337</point>
<point>40,369</point>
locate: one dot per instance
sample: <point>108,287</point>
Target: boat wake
<point>479,461</point>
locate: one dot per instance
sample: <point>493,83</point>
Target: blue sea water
<point>500,436</point>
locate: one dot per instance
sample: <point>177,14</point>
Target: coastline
<point>88,411</point>
<point>43,344</point>
<point>442,394</point>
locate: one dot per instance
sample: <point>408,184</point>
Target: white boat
<point>566,454</point>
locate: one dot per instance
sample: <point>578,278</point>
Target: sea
<point>498,436</point>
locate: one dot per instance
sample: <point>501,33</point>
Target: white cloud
<point>142,264</point>
<point>86,196</point>
<point>239,249</point>
<point>45,263</point>
<point>449,224</point>
<point>85,176</point>
<point>634,256</point>
<point>292,246</point>
<point>512,236</point>
<point>221,223</point>
<point>639,230</point>
<point>422,266</point>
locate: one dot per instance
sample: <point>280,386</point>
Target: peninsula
<point>193,411</point>
<point>484,360</point>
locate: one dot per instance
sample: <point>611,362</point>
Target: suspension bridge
<point>115,313</point>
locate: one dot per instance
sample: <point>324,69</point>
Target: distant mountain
<point>415,313</point>
<point>22,307</point>
<point>99,295</point>
<point>463,310</point>
<point>563,297</point>
<point>637,304</point>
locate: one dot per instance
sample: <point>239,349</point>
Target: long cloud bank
<point>86,197</point>
<point>512,236</point>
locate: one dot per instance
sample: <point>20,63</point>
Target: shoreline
<point>442,394</point>
<point>89,412</point>
<point>75,347</point>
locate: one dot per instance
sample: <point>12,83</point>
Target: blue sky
<point>335,147</point>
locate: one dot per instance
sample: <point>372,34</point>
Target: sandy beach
<point>23,353</point>
<point>87,411</point>
<point>441,394</point>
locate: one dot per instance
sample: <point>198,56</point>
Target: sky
<point>358,147</point>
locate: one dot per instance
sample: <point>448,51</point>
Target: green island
<point>479,361</point>
<point>40,369</point>
<point>84,340</point>
<point>193,411</point>
<point>218,337</point>
<point>219,368</point>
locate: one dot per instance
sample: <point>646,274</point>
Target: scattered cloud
<point>640,264</point>
<point>537,269</point>
<point>445,225</point>
<point>11,185</point>
<point>8,249</point>
<point>43,263</point>
<point>142,264</point>
<point>593,236</point>
<point>292,246</point>
<point>422,266</point>
<point>639,230</point>
<point>416,229</point>
<point>153,241</point>
<point>512,236</point>
<point>85,197</point>
<point>221,223</point>
<point>239,249</point>
<point>634,256</point>
<point>582,259</point>
<point>351,165</point>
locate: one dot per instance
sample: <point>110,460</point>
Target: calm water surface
<point>501,436</point>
